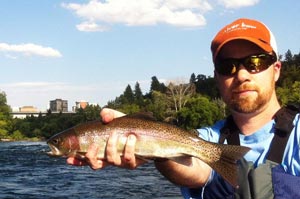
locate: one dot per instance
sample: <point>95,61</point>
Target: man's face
<point>245,92</point>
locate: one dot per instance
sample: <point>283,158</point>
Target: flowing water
<point>26,172</point>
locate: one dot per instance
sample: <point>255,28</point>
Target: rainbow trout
<point>154,140</point>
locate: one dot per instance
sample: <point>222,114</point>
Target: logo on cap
<point>247,29</point>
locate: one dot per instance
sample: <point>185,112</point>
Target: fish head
<point>64,144</point>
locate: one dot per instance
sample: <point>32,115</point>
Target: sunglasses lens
<point>226,67</point>
<point>260,62</point>
<point>253,64</point>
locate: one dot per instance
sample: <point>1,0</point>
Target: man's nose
<point>242,73</point>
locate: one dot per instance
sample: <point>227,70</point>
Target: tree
<point>193,78</point>
<point>158,105</point>
<point>130,108</point>
<point>179,93</point>
<point>5,118</point>
<point>17,135</point>
<point>3,129</point>
<point>207,86</point>
<point>288,56</point>
<point>290,70</point>
<point>289,95</point>
<point>4,108</point>
<point>138,95</point>
<point>157,86</point>
<point>199,111</point>
<point>128,95</point>
<point>91,112</point>
<point>295,97</point>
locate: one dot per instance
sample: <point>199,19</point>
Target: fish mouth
<point>54,151</point>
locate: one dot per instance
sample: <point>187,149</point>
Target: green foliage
<point>157,86</point>
<point>128,96</point>
<point>289,95</point>
<point>199,111</point>
<point>17,135</point>
<point>130,108</point>
<point>3,129</point>
<point>206,86</point>
<point>158,105</point>
<point>4,116</point>
<point>288,86</point>
<point>130,101</point>
<point>138,95</point>
<point>90,113</point>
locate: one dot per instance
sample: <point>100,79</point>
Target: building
<point>26,111</point>
<point>82,104</point>
<point>30,109</point>
<point>59,105</point>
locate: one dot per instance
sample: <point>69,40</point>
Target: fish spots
<point>153,140</point>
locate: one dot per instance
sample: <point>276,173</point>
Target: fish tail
<point>227,166</point>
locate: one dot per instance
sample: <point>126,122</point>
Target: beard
<point>250,104</point>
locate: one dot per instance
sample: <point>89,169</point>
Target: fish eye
<point>55,141</point>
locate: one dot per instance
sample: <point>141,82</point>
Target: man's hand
<point>127,160</point>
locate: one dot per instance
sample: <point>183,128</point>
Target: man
<point>246,70</point>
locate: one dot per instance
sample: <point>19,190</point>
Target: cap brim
<point>266,47</point>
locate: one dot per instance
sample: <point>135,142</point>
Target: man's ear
<point>277,69</point>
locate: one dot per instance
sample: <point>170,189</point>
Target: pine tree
<point>128,95</point>
<point>138,95</point>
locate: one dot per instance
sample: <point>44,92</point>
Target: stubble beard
<point>251,104</point>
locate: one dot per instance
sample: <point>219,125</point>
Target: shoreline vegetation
<point>189,105</point>
<point>35,139</point>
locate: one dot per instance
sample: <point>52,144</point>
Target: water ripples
<point>28,173</point>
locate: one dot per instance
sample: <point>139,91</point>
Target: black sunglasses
<point>253,64</point>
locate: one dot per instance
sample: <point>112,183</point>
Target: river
<point>26,172</point>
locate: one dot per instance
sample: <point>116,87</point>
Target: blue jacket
<point>256,159</point>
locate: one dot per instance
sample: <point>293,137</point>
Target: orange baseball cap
<point>247,29</point>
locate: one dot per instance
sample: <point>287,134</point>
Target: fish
<point>155,140</point>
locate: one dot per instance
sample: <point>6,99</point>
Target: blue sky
<point>91,50</point>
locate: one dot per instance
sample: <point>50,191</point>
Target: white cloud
<point>29,49</point>
<point>186,13</point>
<point>91,27</point>
<point>235,4</point>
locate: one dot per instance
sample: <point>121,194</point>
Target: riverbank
<point>35,139</point>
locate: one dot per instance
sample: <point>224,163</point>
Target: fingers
<point>108,114</point>
<point>92,159</point>
<point>129,152</point>
<point>76,162</point>
<point>113,157</point>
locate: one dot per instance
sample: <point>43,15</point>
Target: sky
<point>92,49</point>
